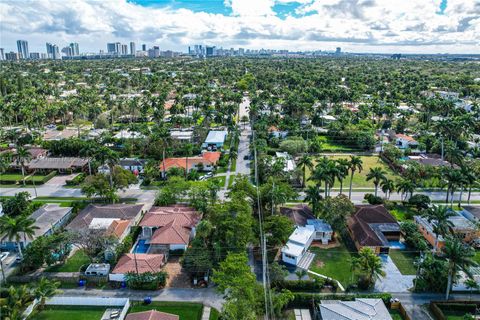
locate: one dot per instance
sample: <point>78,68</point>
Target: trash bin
<point>147,300</point>
<point>81,283</point>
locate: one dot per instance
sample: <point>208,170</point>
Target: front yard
<point>334,263</point>
<point>73,264</point>
<point>360,178</point>
<point>68,312</point>
<point>185,310</point>
<point>404,260</point>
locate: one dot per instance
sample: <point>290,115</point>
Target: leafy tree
<point>93,241</point>
<point>433,274</point>
<point>277,272</point>
<point>275,193</point>
<point>99,185</point>
<point>336,210</point>
<point>17,205</point>
<point>197,260</point>
<point>419,201</point>
<point>294,145</point>
<point>413,237</point>
<point>278,228</point>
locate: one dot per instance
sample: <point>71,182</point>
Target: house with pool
<point>166,229</point>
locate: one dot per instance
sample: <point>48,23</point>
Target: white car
<point>3,256</point>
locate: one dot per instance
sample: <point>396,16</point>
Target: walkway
<point>206,313</point>
<point>394,280</point>
<point>325,277</point>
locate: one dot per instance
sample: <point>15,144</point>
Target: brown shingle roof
<point>140,261</point>
<point>113,211</point>
<point>57,163</point>
<point>366,221</point>
<point>298,214</point>
<point>151,315</point>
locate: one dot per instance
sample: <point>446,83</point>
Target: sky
<point>386,26</point>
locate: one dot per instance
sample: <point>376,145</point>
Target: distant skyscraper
<point>124,49</point>
<point>22,46</point>
<point>111,47</point>
<point>2,54</point>
<point>35,55</point>
<point>53,51</point>
<point>68,51</point>
<point>338,51</point>
<point>49,50</point>
<point>75,49</point>
<point>210,51</point>
<point>118,48</point>
<point>12,56</point>
<point>132,48</point>
<point>144,47</point>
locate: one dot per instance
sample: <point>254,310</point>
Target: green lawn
<point>328,145</point>
<point>395,314</point>
<point>404,261</point>
<point>454,315</point>
<point>185,310</point>
<point>402,213</point>
<point>360,178</point>
<point>214,314</point>
<point>68,312</point>
<point>72,264</point>
<point>334,263</point>
<point>18,177</point>
<point>231,180</point>
<point>220,181</point>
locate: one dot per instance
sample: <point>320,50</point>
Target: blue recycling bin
<point>123,284</point>
<point>147,300</point>
<point>81,283</point>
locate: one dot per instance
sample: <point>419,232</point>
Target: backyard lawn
<point>334,263</point>
<point>220,181</point>
<point>214,314</point>
<point>72,264</point>
<point>402,213</point>
<point>360,178</point>
<point>328,145</point>
<point>395,314</point>
<point>12,178</point>
<point>404,261</point>
<point>68,312</point>
<point>186,310</point>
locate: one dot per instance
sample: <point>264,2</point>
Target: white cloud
<point>356,25</point>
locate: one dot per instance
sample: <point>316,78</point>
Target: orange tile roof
<point>118,227</point>
<point>405,137</point>
<point>208,158</point>
<point>143,262</point>
<point>151,315</point>
<point>171,234</point>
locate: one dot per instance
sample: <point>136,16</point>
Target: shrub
<point>77,180</point>
<point>419,201</point>
<point>372,199</point>
<point>300,285</point>
<point>146,281</point>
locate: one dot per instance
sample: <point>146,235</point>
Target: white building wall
<point>118,277</point>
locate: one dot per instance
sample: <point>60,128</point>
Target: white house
<point>403,141</point>
<point>323,231</point>
<point>289,162</point>
<point>297,245</point>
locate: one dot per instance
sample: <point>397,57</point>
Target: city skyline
<point>434,26</point>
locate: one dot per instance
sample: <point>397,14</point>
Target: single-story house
<point>429,160</point>
<point>298,243</point>
<point>169,228</point>
<point>276,133</point>
<point>181,135</point>
<point>57,135</point>
<point>151,315</point>
<point>48,218</point>
<point>461,226</point>
<point>65,164</point>
<point>137,263</point>
<point>403,141</point>
<point>373,226</point>
<point>360,309</point>
<point>215,139</point>
<point>115,219</point>
<point>322,231</point>
<point>206,162</point>
<point>289,162</point>
<point>472,213</point>
<point>134,165</point>
<point>97,269</point>
<point>126,134</point>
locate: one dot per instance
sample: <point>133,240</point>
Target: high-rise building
<point>53,51</point>
<point>132,48</point>
<point>49,50</point>
<point>68,51</point>
<point>75,49</point>
<point>111,48</point>
<point>338,51</point>
<point>12,56</point>
<point>118,48</point>
<point>124,49</point>
<point>210,51</point>
<point>2,54</point>
<point>35,55</point>
<point>144,47</point>
<point>22,46</point>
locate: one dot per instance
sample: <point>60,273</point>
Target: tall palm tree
<point>388,186</point>
<point>89,151</point>
<point>439,217</point>
<point>313,197</point>
<point>454,179</point>
<point>405,187</point>
<point>304,162</point>
<point>369,264</point>
<point>110,158</point>
<point>459,257</point>
<point>342,171</point>
<point>45,289</point>
<point>14,228</point>
<point>22,157</point>
<point>233,155</point>
<point>355,164</point>
<point>376,174</point>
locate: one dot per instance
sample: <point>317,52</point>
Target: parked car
<point>3,255</point>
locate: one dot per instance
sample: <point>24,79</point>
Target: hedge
<point>76,181</point>
<point>29,180</point>
<point>307,300</point>
<point>300,285</point>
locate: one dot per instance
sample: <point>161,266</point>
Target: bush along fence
<point>467,307</point>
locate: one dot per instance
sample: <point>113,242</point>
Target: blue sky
<point>429,26</point>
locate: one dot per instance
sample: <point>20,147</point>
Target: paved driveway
<point>393,281</point>
<point>60,180</point>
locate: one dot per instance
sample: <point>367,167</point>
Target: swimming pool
<point>141,247</point>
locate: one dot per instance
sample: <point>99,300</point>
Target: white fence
<point>30,309</point>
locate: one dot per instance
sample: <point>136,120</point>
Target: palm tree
<point>89,151</point>
<point>233,155</point>
<point>188,149</point>
<point>45,289</point>
<point>454,178</point>
<point>305,162</point>
<point>439,217</point>
<point>342,171</point>
<point>110,158</point>
<point>376,174</point>
<point>459,257</point>
<point>355,164</point>
<point>22,157</point>
<point>387,187</point>
<point>405,186</point>
<point>301,273</point>
<point>17,299</point>
<point>369,264</point>
<point>471,284</point>
<point>313,197</point>
<point>13,228</point>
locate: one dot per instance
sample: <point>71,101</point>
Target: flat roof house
<point>169,228</point>
<point>115,219</point>
<point>215,139</point>
<point>48,218</point>
<point>360,309</point>
<point>295,250</point>
<point>373,226</point>
<point>137,263</point>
